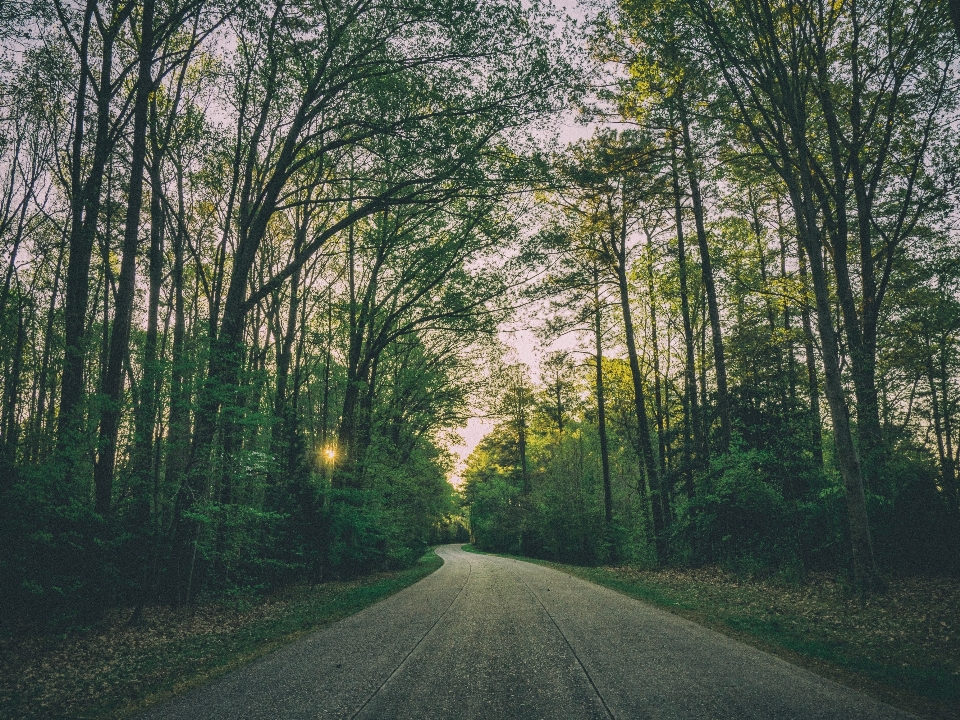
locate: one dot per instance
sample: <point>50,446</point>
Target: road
<point>489,637</point>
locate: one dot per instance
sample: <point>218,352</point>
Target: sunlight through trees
<point>256,257</point>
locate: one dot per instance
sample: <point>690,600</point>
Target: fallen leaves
<point>909,634</point>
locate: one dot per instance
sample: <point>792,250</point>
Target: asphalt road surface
<point>487,637</point>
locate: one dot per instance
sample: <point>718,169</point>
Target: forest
<point>257,257</point>
<point>756,255</point>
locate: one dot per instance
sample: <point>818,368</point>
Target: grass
<point>902,646</point>
<point>116,670</point>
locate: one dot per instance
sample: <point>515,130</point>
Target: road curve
<point>489,637</point>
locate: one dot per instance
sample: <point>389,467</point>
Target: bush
<point>740,518</point>
<point>914,530</point>
<point>57,557</point>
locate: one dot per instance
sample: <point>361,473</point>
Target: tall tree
<point>772,93</point>
<point>86,183</point>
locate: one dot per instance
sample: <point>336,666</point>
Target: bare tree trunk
<point>787,318</point>
<point>81,247</point>
<point>950,473</point>
<point>187,489</point>
<point>601,404</point>
<point>864,564</point>
<point>706,269</point>
<point>357,324</point>
<point>178,422</point>
<point>85,214</point>
<point>691,401</point>
<point>145,413</point>
<point>813,384</point>
<point>325,413</point>
<point>123,314</point>
<point>946,458</point>
<point>11,426</point>
<point>148,415</point>
<point>283,439</point>
<point>640,405</point>
<point>658,400</point>
<point>42,427</point>
<point>299,377</point>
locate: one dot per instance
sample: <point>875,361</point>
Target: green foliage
<point>336,224</point>
<point>912,522</point>
<point>566,513</point>
<point>452,528</point>
<point>738,513</point>
<point>57,558</point>
<point>320,216</point>
<point>562,516</point>
<point>494,497</point>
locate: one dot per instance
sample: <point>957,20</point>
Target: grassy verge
<point>902,646</point>
<point>116,670</point>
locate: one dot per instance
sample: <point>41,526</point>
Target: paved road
<point>487,637</point>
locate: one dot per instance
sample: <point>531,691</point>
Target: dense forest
<point>255,257</point>
<point>252,254</point>
<point>755,255</point>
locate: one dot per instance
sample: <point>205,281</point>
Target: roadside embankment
<point>114,670</point>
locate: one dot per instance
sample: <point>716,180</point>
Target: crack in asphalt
<point>418,644</point>
<point>567,641</point>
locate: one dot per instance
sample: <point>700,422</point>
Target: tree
<point>789,154</point>
<point>613,195</point>
<point>183,189</point>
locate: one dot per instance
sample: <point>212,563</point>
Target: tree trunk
<point>42,426</point>
<point>123,313</point>
<point>601,405</point>
<point>866,575</point>
<point>640,405</point>
<point>351,393</point>
<point>947,471</point>
<point>326,369</point>
<point>85,212</point>
<point>145,414</point>
<point>691,401</point>
<point>784,91</point>
<point>283,438</point>
<point>522,451</point>
<point>178,423</point>
<point>787,318</point>
<point>863,362</point>
<point>950,476</point>
<point>658,400</point>
<point>813,384</point>
<point>11,427</point>
<point>706,269</point>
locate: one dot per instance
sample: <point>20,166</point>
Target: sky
<point>525,346</point>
